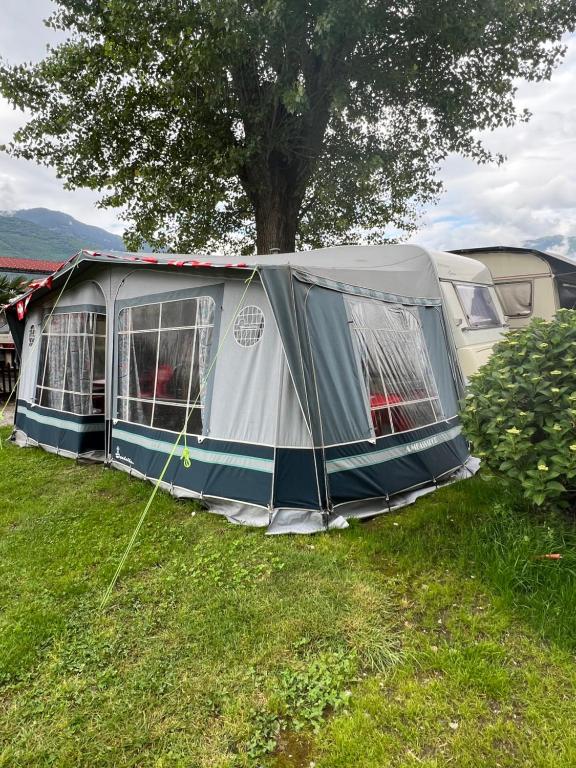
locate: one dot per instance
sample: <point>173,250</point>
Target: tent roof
<point>407,270</point>
<point>356,257</point>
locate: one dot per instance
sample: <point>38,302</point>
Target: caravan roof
<point>457,268</point>
<point>521,262</point>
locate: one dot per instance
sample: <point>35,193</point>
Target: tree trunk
<point>276,216</point>
<point>276,177</point>
<point>276,187</point>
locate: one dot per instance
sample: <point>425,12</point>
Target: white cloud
<point>533,193</point>
<point>23,184</point>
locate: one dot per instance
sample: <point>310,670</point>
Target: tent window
<point>516,298</point>
<point>72,360</point>
<point>249,326</point>
<point>478,305</point>
<point>400,384</point>
<point>162,359</point>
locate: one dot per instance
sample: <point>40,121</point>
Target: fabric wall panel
<point>87,293</point>
<point>299,479</point>
<point>323,365</point>
<point>66,432</point>
<point>445,368</point>
<point>30,354</point>
<point>336,373</point>
<point>217,468</point>
<point>247,376</point>
<point>395,463</point>
<point>176,301</point>
<point>137,283</point>
<point>293,432</point>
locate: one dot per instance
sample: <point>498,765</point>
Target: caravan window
<point>516,298</point>
<point>399,380</point>
<point>72,359</point>
<point>162,361</point>
<point>478,305</point>
<point>567,294</point>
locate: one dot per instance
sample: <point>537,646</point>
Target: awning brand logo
<point>422,445</point>
<point>118,455</point>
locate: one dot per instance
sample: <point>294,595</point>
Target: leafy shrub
<point>520,411</point>
<point>305,694</point>
<point>302,695</point>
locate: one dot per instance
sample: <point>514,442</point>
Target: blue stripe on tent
<point>41,417</point>
<point>359,461</point>
<point>395,463</point>
<point>206,456</point>
<point>256,450</point>
<point>225,473</point>
<point>64,431</point>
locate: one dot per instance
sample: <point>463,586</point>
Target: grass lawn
<point>432,637</point>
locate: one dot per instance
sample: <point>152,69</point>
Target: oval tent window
<point>249,326</point>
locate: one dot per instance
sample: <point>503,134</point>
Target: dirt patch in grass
<point>293,751</point>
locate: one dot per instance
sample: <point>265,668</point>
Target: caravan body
<point>291,392</point>
<point>477,320</point>
<point>530,283</point>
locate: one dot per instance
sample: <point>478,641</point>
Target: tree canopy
<point>219,123</point>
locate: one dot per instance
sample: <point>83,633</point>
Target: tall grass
<point>492,535</point>
<point>511,547</point>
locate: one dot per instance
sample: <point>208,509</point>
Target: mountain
<point>38,233</point>
<point>562,244</point>
<point>59,223</point>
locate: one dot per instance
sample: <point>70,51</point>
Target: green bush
<point>520,410</point>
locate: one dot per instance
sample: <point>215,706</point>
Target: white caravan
<point>476,316</point>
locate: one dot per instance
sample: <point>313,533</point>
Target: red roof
<point>29,265</point>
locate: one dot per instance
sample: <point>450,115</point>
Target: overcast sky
<point>532,195</point>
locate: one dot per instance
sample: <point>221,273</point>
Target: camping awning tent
<point>292,390</point>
